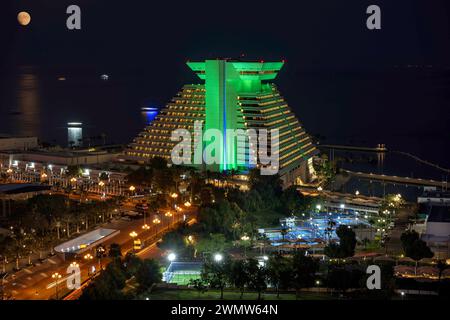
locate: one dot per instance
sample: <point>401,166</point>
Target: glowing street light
<point>187,204</point>
<point>357,192</point>
<point>245,238</point>
<point>101,184</point>
<point>73,180</point>
<point>218,257</point>
<point>174,195</point>
<point>133,234</point>
<point>156,221</point>
<point>318,207</point>
<point>171,257</point>
<point>190,239</point>
<point>57,277</point>
<point>319,188</point>
<point>88,257</point>
<point>145,227</point>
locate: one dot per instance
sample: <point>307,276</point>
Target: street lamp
<point>171,257</point>
<point>357,192</point>
<point>133,234</point>
<point>145,227</point>
<point>100,252</point>
<point>190,239</point>
<point>174,195</point>
<point>319,188</point>
<point>88,257</point>
<point>156,221</point>
<point>56,276</point>
<point>218,257</point>
<point>187,204</point>
<point>169,214</point>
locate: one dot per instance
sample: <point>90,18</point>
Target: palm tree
<point>284,232</point>
<point>441,266</point>
<point>67,219</point>
<point>330,227</point>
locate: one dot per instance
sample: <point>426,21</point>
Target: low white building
<point>434,196</point>
<point>437,230</point>
<point>18,143</point>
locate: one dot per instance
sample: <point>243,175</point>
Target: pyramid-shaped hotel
<point>234,95</point>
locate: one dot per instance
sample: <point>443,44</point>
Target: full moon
<point>24,18</point>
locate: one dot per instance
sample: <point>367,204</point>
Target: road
<point>35,283</point>
<point>397,180</point>
<point>394,245</point>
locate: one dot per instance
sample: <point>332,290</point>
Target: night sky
<point>314,37</point>
<point>311,34</point>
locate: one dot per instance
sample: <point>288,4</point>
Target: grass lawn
<point>191,294</point>
<point>183,279</point>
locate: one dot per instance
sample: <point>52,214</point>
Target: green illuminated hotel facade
<point>234,95</point>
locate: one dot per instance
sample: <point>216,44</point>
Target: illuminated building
<point>235,95</point>
<point>74,134</point>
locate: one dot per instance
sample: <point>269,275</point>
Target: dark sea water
<point>406,109</point>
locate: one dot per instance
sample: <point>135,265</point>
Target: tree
<point>147,274</point>
<point>215,242</point>
<point>257,276</point>
<point>279,271</point>
<point>346,246</point>
<point>174,241</point>
<point>265,183</point>
<point>108,285</point>
<point>7,247</point>
<point>73,171</point>
<point>293,200</point>
<point>284,232</point>
<point>304,269</point>
<point>139,177</point>
<point>52,207</point>
<point>158,163</point>
<point>199,285</point>
<point>441,265</point>
<point>347,240</point>
<point>329,229</point>
<point>216,273</point>
<point>103,176</point>
<point>132,264</point>
<point>115,251</point>
<point>239,276</point>
<point>339,278</point>
<point>414,247</point>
